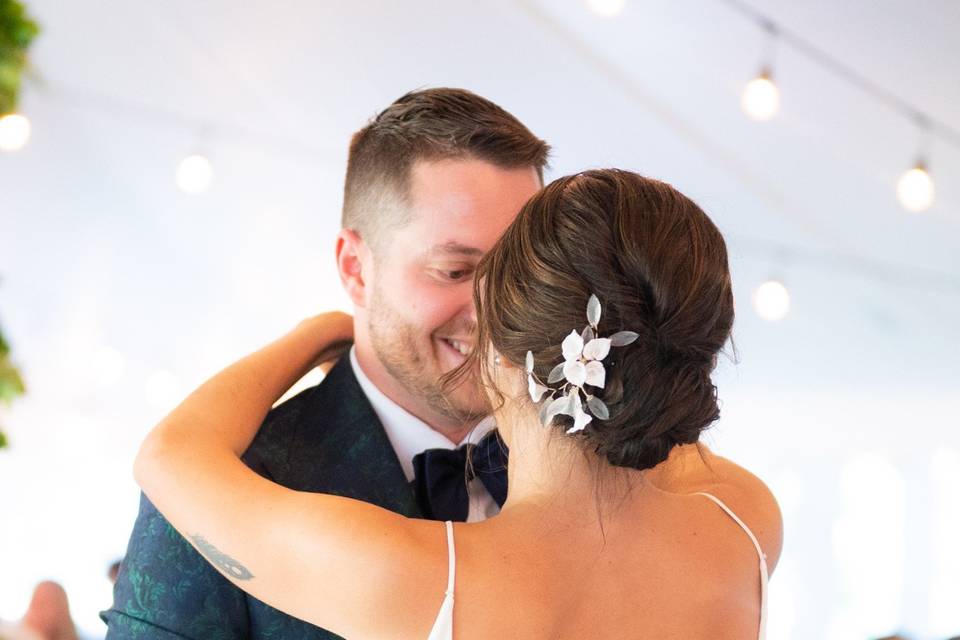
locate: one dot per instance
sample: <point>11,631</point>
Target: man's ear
<point>353,264</point>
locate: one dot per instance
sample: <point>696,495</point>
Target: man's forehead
<point>456,248</point>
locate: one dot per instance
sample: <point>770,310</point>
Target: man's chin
<point>466,405</point>
<point>456,402</point>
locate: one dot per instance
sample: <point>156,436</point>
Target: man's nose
<point>472,312</point>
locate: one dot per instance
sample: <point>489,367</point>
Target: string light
<point>194,174</point>
<point>14,132</point>
<point>915,189</point>
<point>760,100</point>
<point>771,301</point>
<point>606,7</point>
<point>761,97</point>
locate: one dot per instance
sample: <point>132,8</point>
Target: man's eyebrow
<point>452,246</point>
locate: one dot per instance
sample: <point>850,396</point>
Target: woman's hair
<point>659,267</point>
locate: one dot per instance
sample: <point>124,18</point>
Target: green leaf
<point>17,31</point>
<point>11,384</point>
<point>24,33</point>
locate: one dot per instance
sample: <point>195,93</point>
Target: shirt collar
<point>408,434</point>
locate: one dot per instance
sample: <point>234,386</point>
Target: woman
<point>601,313</point>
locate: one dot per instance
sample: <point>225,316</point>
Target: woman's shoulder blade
<point>749,497</point>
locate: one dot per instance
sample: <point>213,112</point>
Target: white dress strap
<point>443,625</point>
<point>764,577</point>
<point>451,559</point>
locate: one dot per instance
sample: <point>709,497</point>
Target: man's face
<point>422,320</point>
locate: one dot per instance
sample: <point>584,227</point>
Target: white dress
<point>443,626</point>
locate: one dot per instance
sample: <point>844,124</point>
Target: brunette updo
<point>659,267</point>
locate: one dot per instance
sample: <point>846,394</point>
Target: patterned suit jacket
<point>327,439</point>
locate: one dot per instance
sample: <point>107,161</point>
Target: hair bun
<point>659,267</point>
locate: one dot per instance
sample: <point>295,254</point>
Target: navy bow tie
<point>441,477</point>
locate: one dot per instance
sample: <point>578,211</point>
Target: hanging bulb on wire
<point>771,301</point>
<point>195,171</point>
<point>915,189</point>
<point>761,97</point>
<point>14,132</point>
<point>194,174</point>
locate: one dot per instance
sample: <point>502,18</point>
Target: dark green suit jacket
<point>327,439</point>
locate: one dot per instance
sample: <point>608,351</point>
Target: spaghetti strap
<point>443,625</point>
<point>764,577</point>
<point>452,559</point>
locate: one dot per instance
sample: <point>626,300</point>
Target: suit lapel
<point>343,449</point>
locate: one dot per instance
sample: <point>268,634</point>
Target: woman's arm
<point>228,409</point>
<point>339,563</point>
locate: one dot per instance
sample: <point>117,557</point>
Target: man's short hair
<point>431,124</point>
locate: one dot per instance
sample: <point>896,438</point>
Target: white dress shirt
<point>409,435</point>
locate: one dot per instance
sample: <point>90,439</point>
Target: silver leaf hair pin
<point>582,366</point>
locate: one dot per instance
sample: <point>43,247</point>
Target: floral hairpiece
<point>582,365</point>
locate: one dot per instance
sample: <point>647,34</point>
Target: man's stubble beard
<point>394,342</point>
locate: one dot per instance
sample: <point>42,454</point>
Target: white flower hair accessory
<point>582,365</point>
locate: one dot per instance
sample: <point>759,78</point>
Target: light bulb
<point>14,132</point>
<point>915,189</point>
<point>607,7</point>
<point>761,98</point>
<point>771,301</point>
<point>194,174</point>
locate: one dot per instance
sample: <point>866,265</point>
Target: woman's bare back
<point>666,563</point>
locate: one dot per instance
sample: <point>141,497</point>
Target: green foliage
<point>17,30</point>
<point>11,384</point>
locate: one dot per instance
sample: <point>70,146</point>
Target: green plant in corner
<point>17,30</point>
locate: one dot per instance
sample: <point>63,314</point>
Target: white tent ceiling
<point>273,90</point>
<point>99,250</point>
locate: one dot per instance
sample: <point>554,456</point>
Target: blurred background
<point>175,204</point>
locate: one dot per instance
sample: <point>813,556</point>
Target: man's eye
<point>454,275</point>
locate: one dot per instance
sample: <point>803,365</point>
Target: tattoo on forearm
<point>221,560</point>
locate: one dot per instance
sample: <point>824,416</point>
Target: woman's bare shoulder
<point>695,469</point>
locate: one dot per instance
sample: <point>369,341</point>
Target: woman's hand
<point>334,331</point>
<point>226,411</point>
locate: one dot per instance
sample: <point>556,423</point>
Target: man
<point>432,182</point>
